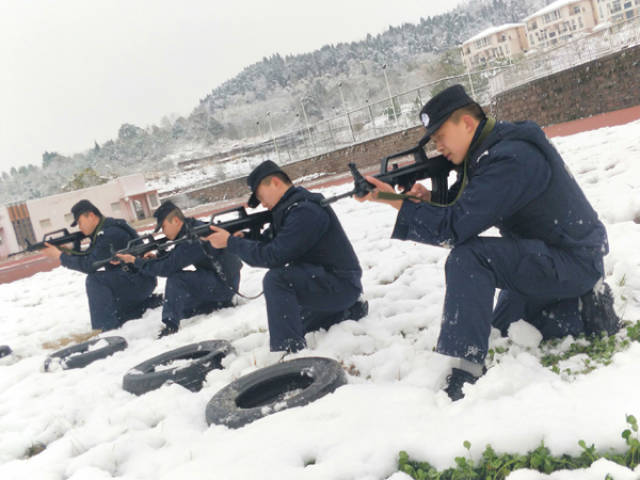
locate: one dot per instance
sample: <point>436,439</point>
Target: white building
<point>616,10</point>
<point>495,43</point>
<point>125,197</point>
<point>559,21</point>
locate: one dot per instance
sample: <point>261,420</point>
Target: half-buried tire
<point>275,388</point>
<point>187,366</point>
<point>82,354</point>
<point>4,351</point>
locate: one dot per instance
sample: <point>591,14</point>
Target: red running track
<point>16,269</point>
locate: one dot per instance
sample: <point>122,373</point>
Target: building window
<point>576,10</point>
<point>533,26</point>
<point>115,207</point>
<point>615,6</point>
<point>627,5</point>
<point>68,218</point>
<point>45,223</point>
<point>629,14</point>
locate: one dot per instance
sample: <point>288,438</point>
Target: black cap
<point>263,170</point>
<point>83,206</point>
<point>441,106</point>
<point>162,211</point>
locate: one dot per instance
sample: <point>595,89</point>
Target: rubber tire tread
<point>223,409</point>
<point>143,378</point>
<point>115,344</point>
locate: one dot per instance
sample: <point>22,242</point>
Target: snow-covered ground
<point>95,430</point>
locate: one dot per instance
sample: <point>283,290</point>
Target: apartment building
<point>495,43</point>
<point>613,11</point>
<point>559,21</point>
<point>125,197</point>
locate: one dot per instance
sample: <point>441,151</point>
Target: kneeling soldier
<point>187,293</point>
<point>118,293</point>
<point>314,276</point>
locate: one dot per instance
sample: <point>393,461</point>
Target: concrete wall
<point>604,85</point>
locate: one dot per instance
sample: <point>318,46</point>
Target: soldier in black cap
<point>189,292</point>
<point>549,259</point>
<point>116,294</point>
<point>314,275</point>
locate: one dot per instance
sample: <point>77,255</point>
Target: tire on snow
<point>278,387</point>
<point>78,356</point>
<point>206,356</point>
<point>4,350</point>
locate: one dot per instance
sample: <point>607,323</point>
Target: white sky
<point>73,71</point>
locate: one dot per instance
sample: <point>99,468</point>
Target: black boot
<point>357,311</point>
<point>168,329</point>
<point>597,311</point>
<point>456,380</point>
<point>154,301</point>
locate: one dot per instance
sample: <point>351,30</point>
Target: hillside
<point>415,54</point>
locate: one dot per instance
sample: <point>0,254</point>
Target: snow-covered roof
<point>492,30</point>
<point>550,8</point>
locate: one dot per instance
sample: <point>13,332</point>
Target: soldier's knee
<point>273,278</point>
<point>464,256</point>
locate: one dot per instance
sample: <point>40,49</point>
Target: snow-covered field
<point>95,430</point>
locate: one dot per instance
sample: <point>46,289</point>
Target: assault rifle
<point>56,238</point>
<point>136,247</point>
<point>252,225</point>
<point>404,177</point>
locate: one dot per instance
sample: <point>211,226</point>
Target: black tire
<point>206,356</point>
<point>4,350</point>
<point>278,387</point>
<point>85,356</point>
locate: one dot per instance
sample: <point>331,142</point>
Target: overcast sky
<point>73,71</point>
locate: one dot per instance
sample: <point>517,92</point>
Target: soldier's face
<point>269,192</point>
<point>171,227</point>
<point>87,222</point>
<point>453,138</point>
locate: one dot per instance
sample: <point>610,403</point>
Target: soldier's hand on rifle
<point>125,257</point>
<point>149,255</point>
<point>420,191</point>
<point>380,187</point>
<point>51,251</point>
<point>219,237</point>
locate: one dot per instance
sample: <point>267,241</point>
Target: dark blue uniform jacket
<point>303,232</point>
<point>514,180</point>
<point>110,235</point>
<point>199,254</point>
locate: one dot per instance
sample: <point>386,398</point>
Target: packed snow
<point>93,429</point>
